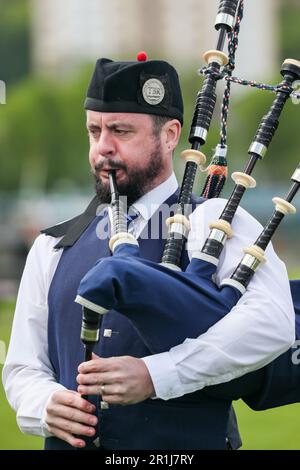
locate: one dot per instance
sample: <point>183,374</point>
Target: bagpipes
<point>126,282</point>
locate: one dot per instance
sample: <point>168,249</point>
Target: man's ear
<point>170,134</point>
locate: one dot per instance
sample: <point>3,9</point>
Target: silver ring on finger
<point>102,388</point>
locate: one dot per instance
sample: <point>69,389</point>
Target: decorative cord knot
<point>205,71</point>
<point>283,88</point>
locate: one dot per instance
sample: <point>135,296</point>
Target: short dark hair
<point>158,122</point>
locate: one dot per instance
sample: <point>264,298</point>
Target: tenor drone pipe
<point>204,108</point>
<point>255,255</point>
<point>221,230</point>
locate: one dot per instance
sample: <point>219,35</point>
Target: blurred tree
<point>44,144</point>
<point>289,29</point>
<point>42,136</point>
<point>14,40</point>
<point>283,154</point>
<point>243,119</point>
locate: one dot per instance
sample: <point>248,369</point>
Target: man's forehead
<point>96,117</point>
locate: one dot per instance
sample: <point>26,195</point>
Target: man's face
<point>126,142</point>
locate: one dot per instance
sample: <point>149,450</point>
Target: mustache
<point>110,165</point>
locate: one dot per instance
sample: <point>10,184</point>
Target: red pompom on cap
<point>141,56</point>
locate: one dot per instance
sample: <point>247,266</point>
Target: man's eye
<point>121,131</point>
<point>93,132</point>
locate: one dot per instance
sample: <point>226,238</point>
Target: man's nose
<point>106,145</point>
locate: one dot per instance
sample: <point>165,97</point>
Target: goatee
<point>137,183</point>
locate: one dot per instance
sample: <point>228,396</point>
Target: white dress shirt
<point>258,329</point>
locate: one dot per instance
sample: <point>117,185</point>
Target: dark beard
<point>137,183</point>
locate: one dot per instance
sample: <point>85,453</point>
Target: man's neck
<point>148,203</point>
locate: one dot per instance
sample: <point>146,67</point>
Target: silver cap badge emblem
<point>153,91</point>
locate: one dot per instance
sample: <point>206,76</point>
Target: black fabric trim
<point>60,229</point>
<point>72,229</point>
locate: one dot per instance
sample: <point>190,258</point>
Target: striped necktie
<point>131,217</point>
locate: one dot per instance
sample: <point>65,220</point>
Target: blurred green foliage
<point>42,127</point>
<point>289,29</point>
<point>44,142</point>
<point>42,135</point>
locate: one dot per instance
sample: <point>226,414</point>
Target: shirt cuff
<point>164,376</point>
<point>35,424</point>
<point>43,424</point>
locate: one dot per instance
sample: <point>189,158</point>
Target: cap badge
<point>153,91</point>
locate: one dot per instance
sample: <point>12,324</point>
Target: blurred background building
<point>68,32</point>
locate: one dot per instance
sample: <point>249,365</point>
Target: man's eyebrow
<point>119,124</point>
<point>92,126</point>
<point>111,126</point>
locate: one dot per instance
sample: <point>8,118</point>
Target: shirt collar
<point>149,202</point>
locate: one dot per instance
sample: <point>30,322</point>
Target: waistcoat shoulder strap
<point>72,229</point>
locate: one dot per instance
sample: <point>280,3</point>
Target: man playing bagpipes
<point>134,118</point>
<point>188,303</point>
<point>125,135</point>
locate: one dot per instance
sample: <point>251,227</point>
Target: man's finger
<point>72,414</point>
<point>94,356</point>
<point>65,436</point>
<point>90,389</point>
<point>73,400</point>
<point>96,378</point>
<point>96,365</point>
<point>103,389</point>
<point>70,426</point>
<point>88,379</point>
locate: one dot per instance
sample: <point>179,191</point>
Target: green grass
<point>294,274</point>
<point>11,437</point>
<point>271,429</point>
<point>276,429</point>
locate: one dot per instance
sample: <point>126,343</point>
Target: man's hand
<point>68,415</point>
<point>123,380</point>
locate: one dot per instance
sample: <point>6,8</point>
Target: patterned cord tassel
<point>217,174</point>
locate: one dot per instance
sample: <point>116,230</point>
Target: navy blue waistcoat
<point>194,421</point>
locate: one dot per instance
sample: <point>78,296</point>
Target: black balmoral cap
<point>148,87</point>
